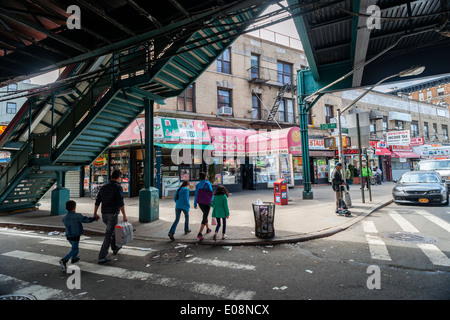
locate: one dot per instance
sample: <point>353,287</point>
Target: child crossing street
<point>220,210</point>
<point>74,229</point>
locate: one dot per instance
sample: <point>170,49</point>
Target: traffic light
<point>329,142</point>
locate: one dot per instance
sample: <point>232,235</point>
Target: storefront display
<point>120,160</point>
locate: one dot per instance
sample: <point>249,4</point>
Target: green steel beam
<point>302,29</point>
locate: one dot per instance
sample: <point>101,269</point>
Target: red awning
<point>405,154</point>
<point>382,152</point>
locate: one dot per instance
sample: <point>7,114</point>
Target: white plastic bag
<point>123,233</point>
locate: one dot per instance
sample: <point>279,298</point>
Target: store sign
<point>2,129</point>
<point>229,141</point>
<point>401,148</point>
<point>316,144</point>
<point>417,141</point>
<point>400,138</point>
<point>348,152</point>
<point>172,130</point>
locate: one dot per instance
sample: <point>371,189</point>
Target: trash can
<point>264,213</point>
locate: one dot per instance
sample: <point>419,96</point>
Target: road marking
<point>436,256</point>
<point>197,287</point>
<point>222,264</point>
<point>94,246</point>
<point>369,227</point>
<point>403,223</point>
<point>37,291</point>
<point>377,248</point>
<point>441,223</point>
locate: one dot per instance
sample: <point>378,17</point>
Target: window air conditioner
<point>225,111</point>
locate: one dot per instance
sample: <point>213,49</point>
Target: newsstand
<point>264,213</point>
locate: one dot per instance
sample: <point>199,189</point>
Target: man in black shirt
<point>336,183</point>
<point>111,198</point>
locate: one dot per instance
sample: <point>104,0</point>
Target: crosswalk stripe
<point>37,291</point>
<point>95,247</point>
<point>377,248</point>
<point>436,256</point>
<point>369,227</point>
<point>197,287</point>
<point>441,223</point>
<point>403,223</point>
<point>221,264</point>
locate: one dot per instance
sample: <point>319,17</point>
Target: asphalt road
<point>399,252</point>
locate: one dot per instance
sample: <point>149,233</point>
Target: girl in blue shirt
<point>181,205</point>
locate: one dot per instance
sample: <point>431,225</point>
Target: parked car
<point>442,166</point>
<point>422,187</point>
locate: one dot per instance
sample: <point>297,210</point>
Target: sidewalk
<point>300,220</point>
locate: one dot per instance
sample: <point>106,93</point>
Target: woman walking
<point>182,205</point>
<point>203,197</point>
<point>220,210</point>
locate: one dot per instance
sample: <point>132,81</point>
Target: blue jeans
<point>177,219</point>
<point>74,252</point>
<point>219,224</point>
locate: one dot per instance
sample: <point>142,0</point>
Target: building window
<point>426,132</point>
<point>284,72</point>
<point>373,127</point>
<point>420,96</point>
<point>399,125</point>
<point>440,91</point>
<point>186,100</point>
<point>286,111</point>
<point>254,68</point>
<point>11,107</point>
<point>309,117</point>
<point>12,87</point>
<point>428,94</point>
<point>256,107</point>
<point>414,129</point>
<point>445,132</point>
<point>328,113</point>
<point>385,124</point>
<point>224,62</point>
<point>224,102</point>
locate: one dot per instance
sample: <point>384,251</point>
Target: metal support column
<point>149,195</point>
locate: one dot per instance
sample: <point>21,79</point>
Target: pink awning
<point>404,154</point>
<point>277,141</point>
<point>382,152</point>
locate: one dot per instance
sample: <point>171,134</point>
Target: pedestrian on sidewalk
<point>336,183</point>
<point>366,173</point>
<point>181,205</point>
<point>111,198</point>
<point>220,210</point>
<point>203,197</point>
<point>74,229</point>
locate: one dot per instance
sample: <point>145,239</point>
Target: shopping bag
<point>123,233</point>
<point>214,221</point>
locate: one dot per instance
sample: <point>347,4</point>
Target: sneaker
<point>224,236</point>
<point>75,260</point>
<point>104,260</point>
<point>208,231</point>
<point>63,264</point>
<point>170,234</point>
<point>200,236</point>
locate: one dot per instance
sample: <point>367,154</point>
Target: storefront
<point>231,167</point>
<point>319,158</point>
<point>179,155</point>
<point>402,160</point>
<point>275,155</point>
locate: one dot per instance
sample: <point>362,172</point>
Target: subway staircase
<point>71,126</point>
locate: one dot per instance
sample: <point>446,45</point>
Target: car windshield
<point>434,165</point>
<point>419,178</point>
